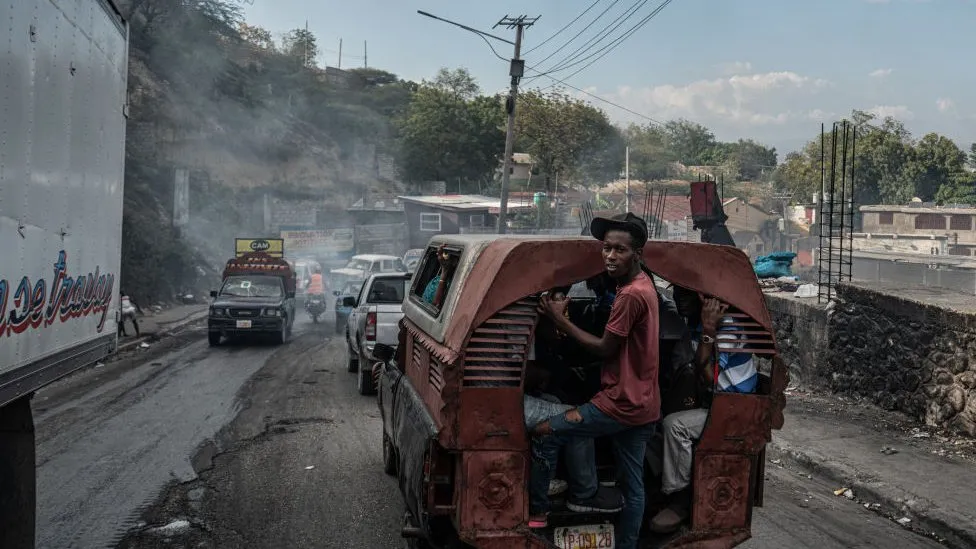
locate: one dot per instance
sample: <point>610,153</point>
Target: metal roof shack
<point>452,214</point>
<point>463,203</point>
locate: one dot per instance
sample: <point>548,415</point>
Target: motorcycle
<point>315,306</point>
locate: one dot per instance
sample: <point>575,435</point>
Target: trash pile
<point>774,265</point>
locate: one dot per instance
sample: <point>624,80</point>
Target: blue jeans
<point>629,446</point>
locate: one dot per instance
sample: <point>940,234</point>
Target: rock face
<point>903,355</point>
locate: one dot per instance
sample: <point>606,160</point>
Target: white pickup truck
<point>375,318</point>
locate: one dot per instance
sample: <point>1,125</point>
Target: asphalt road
<point>263,446</point>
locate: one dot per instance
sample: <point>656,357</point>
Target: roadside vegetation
<point>248,113</point>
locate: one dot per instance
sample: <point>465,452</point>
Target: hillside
<point>244,119</point>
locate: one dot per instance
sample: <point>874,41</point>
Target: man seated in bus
<point>721,371</point>
<point>537,407</point>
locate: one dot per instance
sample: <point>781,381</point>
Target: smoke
<point>246,121</point>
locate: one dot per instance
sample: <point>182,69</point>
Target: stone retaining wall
<point>802,337</point>
<point>902,354</point>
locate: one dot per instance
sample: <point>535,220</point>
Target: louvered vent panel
<point>497,350</point>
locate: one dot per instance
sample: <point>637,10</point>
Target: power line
<point>493,49</point>
<point>610,47</point>
<point>540,44</point>
<point>598,38</point>
<point>594,96</point>
<point>554,79</point>
<point>570,41</point>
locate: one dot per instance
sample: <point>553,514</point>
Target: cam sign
<point>275,247</point>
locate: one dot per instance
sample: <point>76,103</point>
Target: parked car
<point>412,258</point>
<point>375,318</point>
<point>342,311</point>
<point>361,266</point>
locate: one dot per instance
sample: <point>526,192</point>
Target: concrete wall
<point>904,244</point>
<point>900,353</point>
<point>915,275</point>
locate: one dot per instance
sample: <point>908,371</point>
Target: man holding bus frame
<point>628,407</point>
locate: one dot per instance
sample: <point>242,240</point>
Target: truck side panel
<point>62,147</point>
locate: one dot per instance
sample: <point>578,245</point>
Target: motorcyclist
<point>315,284</point>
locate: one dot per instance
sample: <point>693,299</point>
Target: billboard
<point>387,239</point>
<point>275,247</point>
<point>319,242</point>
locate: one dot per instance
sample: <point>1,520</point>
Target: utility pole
<point>516,70</point>
<point>305,43</point>
<point>627,174</point>
<point>340,54</point>
<point>365,56</point>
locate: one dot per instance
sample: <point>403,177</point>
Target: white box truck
<point>63,68</point>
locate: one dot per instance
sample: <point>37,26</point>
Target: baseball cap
<point>623,222</point>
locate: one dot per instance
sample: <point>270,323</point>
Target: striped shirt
<point>737,371</point>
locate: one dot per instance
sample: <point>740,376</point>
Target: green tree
<point>752,158</point>
<point>256,36</point>
<point>650,153</point>
<point>301,45</point>
<point>889,166</point>
<point>939,161</point>
<point>692,143</point>
<point>567,136</point>
<point>442,138</point>
<point>458,83</point>
<point>972,156</point>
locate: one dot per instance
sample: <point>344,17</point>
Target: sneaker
<point>557,487</point>
<point>539,521</point>
<point>605,500</point>
<point>669,520</point>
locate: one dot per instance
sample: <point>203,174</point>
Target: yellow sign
<point>275,247</point>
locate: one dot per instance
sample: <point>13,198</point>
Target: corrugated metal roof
<point>461,202</point>
<point>676,207</point>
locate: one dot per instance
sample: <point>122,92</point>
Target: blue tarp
<point>774,265</point>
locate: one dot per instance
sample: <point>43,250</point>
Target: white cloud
<point>944,104</point>
<point>741,100</point>
<point>900,112</point>
<point>879,73</point>
<point>821,115</point>
<point>735,67</point>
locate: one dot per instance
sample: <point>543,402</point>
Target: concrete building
<point>744,216</point>
<point>955,225</point>
<point>521,168</point>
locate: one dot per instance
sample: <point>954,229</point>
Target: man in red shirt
<point>628,406</point>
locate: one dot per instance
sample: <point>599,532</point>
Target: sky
<point>769,70</point>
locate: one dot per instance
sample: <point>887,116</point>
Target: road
<point>184,445</point>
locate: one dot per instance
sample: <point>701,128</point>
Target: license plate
<point>589,536</point>
<point>243,323</point>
